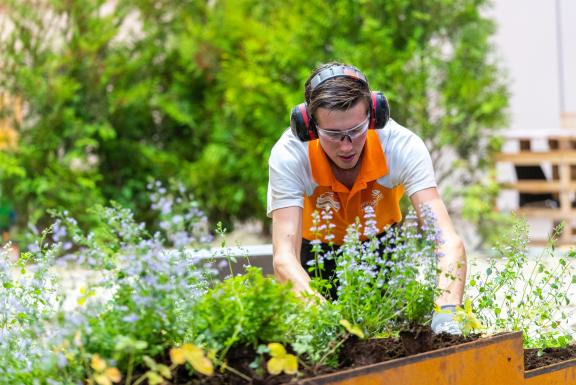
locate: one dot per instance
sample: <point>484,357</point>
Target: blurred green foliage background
<point>118,92</point>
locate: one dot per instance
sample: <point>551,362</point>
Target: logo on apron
<point>328,200</point>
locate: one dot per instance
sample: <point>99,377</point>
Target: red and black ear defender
<point>304,127</point>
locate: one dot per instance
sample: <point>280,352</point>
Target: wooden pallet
<point>562,157</point>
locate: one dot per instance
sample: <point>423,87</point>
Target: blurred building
<point>535,40</point>
<point>535,44</point>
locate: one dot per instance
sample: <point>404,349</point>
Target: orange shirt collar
<point>373,163</point>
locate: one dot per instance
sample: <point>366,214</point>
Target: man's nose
<point>346,137</point>
<point>346,143</point>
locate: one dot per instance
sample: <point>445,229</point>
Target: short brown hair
<point>339,93</point>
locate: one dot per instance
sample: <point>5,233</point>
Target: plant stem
<point>232,370</point>
<point>321,361</point>
<point>140,379</point>
<point>130,369</point>
<point>238,373</point>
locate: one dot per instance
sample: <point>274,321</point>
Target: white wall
<point>568,9</point>
<point>528,43</point>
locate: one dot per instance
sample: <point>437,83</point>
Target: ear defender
<point>379,110</point>
<point>302,124</point>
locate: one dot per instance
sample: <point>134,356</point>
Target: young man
<point>344,152</point>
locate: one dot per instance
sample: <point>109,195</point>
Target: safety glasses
<point>352,133</point>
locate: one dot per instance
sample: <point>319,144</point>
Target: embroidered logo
<point>376,197</point>
<point>327,201</point>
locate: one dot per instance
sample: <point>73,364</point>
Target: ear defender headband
<point>304,127</point>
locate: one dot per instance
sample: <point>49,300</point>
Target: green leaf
<point>352,329</point>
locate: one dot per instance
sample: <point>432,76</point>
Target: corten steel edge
<point>562,373</point>
<point>496,360</point>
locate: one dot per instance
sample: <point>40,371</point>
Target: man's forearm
<point>452,265</point>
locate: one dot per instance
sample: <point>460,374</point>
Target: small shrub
<point>387,283</point>
<point>136,303</point>
<point>247,309</point>
<point>525,293</point>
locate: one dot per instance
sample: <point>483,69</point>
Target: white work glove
<point>443,322</point>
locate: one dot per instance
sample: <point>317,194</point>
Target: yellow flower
<point>98,364</point>
<point>103,374</point>
<point>281,361</point>
<point>85,294</point>
<point>276,349</point>
<point>290,364</point>
<point>194,356</point>
<point>101,379</point>
<point>466,318</point>
<point>113,374</point>
<point>177,356</point>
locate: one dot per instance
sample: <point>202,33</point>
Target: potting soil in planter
<point>354,353</point>
<point>533,360</point>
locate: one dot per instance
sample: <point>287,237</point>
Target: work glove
<point>443,321</point>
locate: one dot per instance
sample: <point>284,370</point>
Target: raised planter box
<point>562,373</point>
<point>497,360</point>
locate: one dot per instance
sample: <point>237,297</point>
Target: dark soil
<point>549,356</point>
<point>240,359</point>
<point>354,352</point>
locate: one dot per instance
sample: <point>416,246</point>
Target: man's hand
<point>452,263</point>
<point>443,321</point>
<point>286,242</point>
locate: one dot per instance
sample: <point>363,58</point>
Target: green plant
<point>467,319</point>
<point>247,309</point>
<point>386,283</point>
<point>518,291</point>
<point>316,333</point>
<point>136,303</point>
<point>152,287</point>
<point>118,92</point>
<point>32,344</point>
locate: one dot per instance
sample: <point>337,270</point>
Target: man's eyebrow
<point>348,129</point>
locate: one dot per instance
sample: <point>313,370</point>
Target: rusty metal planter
<point>562,373</point>
<point>496,360</point>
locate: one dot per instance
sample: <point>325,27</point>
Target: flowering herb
<point>520,292</point>
<point>389,282</point>
<point>322,230</point>
<point>136,303</point>
<point>180,218</point>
